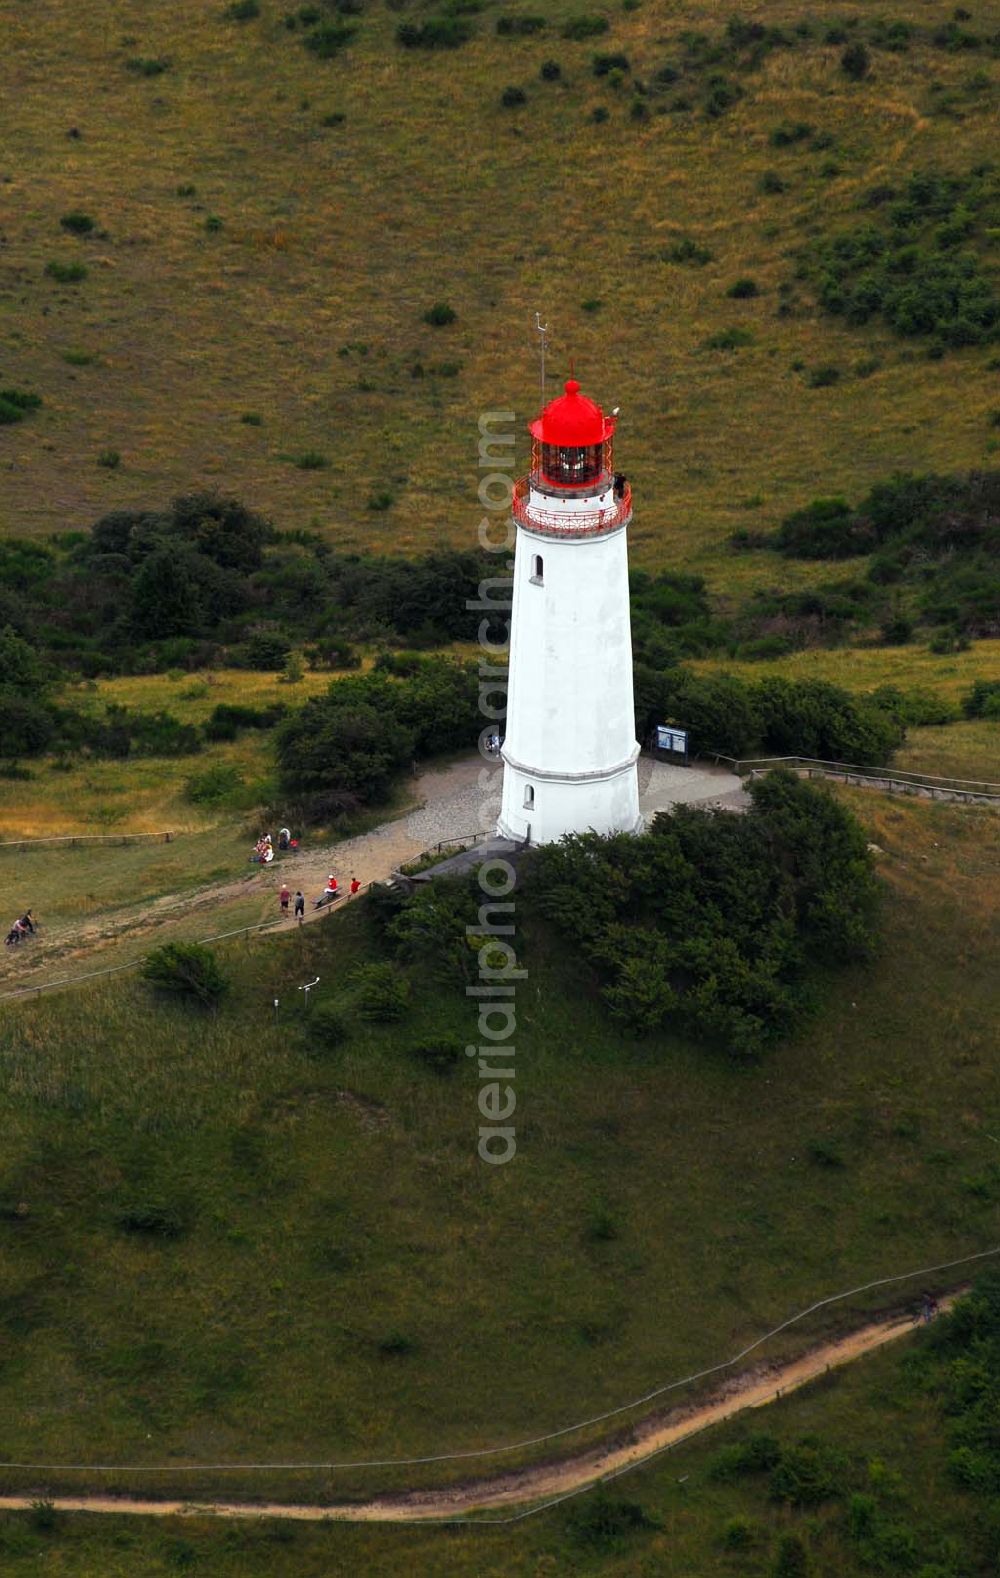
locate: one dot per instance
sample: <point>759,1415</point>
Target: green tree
<point>21,669</point>
<point>165,598</point>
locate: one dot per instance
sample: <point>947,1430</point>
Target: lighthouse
<point>570,750</point>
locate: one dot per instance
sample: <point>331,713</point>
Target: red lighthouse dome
<point>572,444</point>
<point>572,421</point>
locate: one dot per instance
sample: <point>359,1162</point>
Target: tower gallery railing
<point>585,523</point>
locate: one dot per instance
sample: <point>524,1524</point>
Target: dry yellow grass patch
<point>866,668</point>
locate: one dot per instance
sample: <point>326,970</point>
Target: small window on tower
<point>537,570</point>
<point>529,798</point>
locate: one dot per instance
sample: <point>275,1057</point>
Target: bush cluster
<point>775,717</point>
<point>919,265</point>
<point>438,32</point>
<point>709,921</point>
<point>938,534</point>
<point>357,739</point>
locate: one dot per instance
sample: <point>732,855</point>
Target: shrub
<point>740,1534</point>
<point>77,223</point>
<point>823,377</point>
<point>743,289</point>
<point>267,650</point>
<point>897,630</point>
<point>148,66</point>
<point>550,71</point>
<point>600,1521</point>
<point>396,1344</point>
<point>788,133</point>
<point>440,32</point>
<point>383,500</point>
<point>327,41</point>
<point>252,418</point>
<point>687,250</point>
<point>186,970</point>
<point>721,94</point>
<point>213,224</point>
<point>824,1154</point>
<point>214,786</point>
<point>512,96</point>
<point>227,719</point>
<point>442,1055</point>
<point>771,183</point>
<point>110,459</point>
<point>66,273</point>
<point>807,1475</point>
<point>156,1217</point>
<point>983,700</point>
<point>729,339</point>
<point>791,1560</point>
<point>242,10</point>
<point>599,114</point>
<point>855,61</point>
<point>583,27</point>
<point>312,460</point>
<point>519,26</point>
<point>15,404</point>
<point>758,1454</point>
<point>603,64</point>
<point>440,315</point>
<point>382,994</point>
<point>45,1517</point>
<point>328,1026</point>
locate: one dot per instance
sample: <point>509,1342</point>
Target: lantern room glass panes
<point>572,468</point>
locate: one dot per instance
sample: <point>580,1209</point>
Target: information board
<point>670,739</point>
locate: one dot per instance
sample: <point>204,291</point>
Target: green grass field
<point>344,1276</point>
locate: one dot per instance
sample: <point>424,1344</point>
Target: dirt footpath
<point>751,1388</point>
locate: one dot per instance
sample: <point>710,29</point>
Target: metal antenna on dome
<point>543,330</point>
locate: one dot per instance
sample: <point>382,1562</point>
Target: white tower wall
<point>570,750</point>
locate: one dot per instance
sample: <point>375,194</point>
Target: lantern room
<point>571,445</point>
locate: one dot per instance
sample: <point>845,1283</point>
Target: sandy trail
<point>446,804</point>
<point>752,1388</point>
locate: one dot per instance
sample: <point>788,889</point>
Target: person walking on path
<point>355,886</point>
<point>284,897</point>
<point>300,908</point>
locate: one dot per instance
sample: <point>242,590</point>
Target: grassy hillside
<point>270,228</point>
<point>330,1267</point>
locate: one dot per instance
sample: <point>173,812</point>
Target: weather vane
<point>543,330</point>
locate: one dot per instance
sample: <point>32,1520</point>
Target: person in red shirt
<point>355,886</point>
<point>285,898</point>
